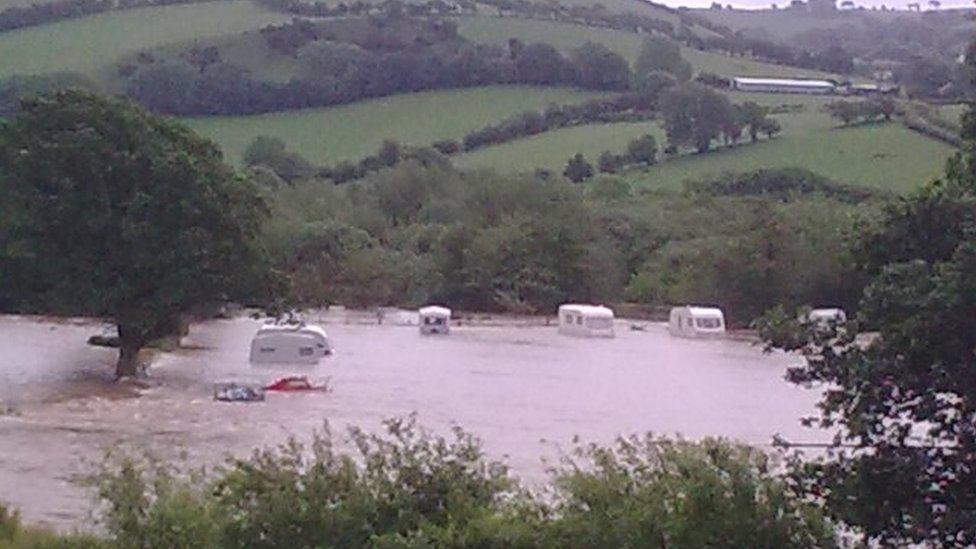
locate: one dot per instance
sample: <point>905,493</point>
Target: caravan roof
<point>587,310</point>
<point>435,310</point>
<point>285,328</point>
<point>705,312</point>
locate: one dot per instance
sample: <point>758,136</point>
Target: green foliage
<point>482,241</point>
<point>695,116</point>
<point>660,54</point>
<point>578,169</point>
<point>654,492</point>
<point>16,88</point>
<point>903,395</point>
<point>782,183</point>
<point>409,488</point>
<point>15,535</point>
<point>122,214</point>
<point>599,68</point>
<point>270,152</point>
<point>643,150</point>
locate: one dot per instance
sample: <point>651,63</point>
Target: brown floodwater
<point>525,390</point>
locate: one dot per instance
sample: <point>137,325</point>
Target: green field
<point>884,156</point>
<point>551,150</point>
<point>91,45</point>
<point>565,36</point>
<point>350,132</point>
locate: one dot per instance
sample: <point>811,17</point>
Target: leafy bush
<point>410,488</point>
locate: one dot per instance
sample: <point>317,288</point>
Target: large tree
<point>695,116</point>
<point>903,396</point>
<point>121,214</point>
<point>661,54</point>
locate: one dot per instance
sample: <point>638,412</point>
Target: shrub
<point>410,488</point>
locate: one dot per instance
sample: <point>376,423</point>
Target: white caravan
<point>585,320</point>
<point>826,316</point>
<point>289,344</point>
<point>434,320</point>
<point>690,321</point>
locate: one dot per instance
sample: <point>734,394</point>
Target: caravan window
<point>579,320</point>
<point>267,349</point>
<point>599,323</point>
<point>306,351</point>
<point>709,323</point>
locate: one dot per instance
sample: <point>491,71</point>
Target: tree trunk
<point>130,342</point>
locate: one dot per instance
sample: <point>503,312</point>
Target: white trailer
<point>289,344</point>
<point>586,320</point>
<point>827,316</point>
<point>434,319</point>
<point>692,321</point>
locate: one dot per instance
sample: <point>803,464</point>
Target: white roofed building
<point>783,85</point>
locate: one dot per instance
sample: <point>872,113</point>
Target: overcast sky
<point>757,4</point>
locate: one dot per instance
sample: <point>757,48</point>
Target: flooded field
<point>524,390</point>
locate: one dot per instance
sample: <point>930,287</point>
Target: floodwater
<point>526,391</point>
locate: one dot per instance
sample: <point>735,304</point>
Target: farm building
<point>783,85</point>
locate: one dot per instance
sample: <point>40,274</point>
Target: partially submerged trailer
<point>827,316</point>
<point>586,320</point>
<point>692,321</point>
<point>289,344</point>
<point>434,319</point>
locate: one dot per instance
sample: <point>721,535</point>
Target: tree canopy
<point>118,213</point>
<point>901,378</point>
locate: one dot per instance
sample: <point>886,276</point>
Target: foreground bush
<point>14,535</point>
<point>409,488</point>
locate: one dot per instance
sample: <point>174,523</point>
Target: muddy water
<point>524,390</point>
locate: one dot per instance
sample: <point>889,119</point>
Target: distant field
<point>4,4</point>
<point>350,132</point>
<point>552,149</point>
<point>90,45</point>
<point>884,156</point>
<point>565,36</point>
<point>778,23</point>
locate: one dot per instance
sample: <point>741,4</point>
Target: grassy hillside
<point>884,155</point>
<point>493,30</point>
<point>90,45</point>
<point>350,132</point>
<point>880,155</point>
<point>551,150</point>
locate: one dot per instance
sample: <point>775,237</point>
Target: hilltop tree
<point>608,162</point>
<point>643,150</point>
<point>695,115</point>
<point>845,111</point>
<point>271,153</point>
<point>754,116</point>
<point>540,64</point>
<point>121,214</point>
<point>661,54</point>
<point>600,68</point>
<point>578,169</point>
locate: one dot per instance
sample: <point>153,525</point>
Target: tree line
<point>354,59</point>
<point>850,112</point>
<point>17,17</point>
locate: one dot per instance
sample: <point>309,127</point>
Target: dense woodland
<point>481,241</point>
<point>353,59</point>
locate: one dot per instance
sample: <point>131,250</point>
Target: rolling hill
<point>349,132</point>
<point>91,45</point>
